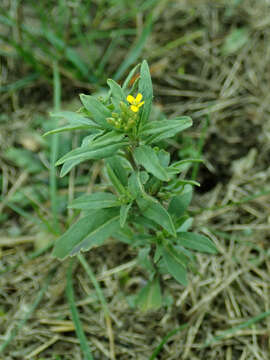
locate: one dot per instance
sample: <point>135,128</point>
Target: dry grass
<point>224,298</point>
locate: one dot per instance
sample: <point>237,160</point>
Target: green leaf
<point>117,92</point>
<point>117,163</point>
<point>144,177</point>
<point>197,242</point>
<point>155,131</point>
<point>108,138</point>
<point>185,224</point>
<point>124,213</point>
<point>164,157</point>
<point>115,180</point>
<point>89,231</point>
<point>68,128</point>
<point>153,210</point>
<point>126,235</point>
<point>153,185</point>
<point>178,167</point>
<point>88,140</point>
<point>68,165</point>
<point>146,89</point>
<point>179,203</point>
<point>180,182</point>
<point>147,157</point>
<point>130,76</point>
<point>174,264</point>
<point>98,111</point>
<point>96,200</point>
<point>143,223</point>
<point>84,154</point>
<point>102,147</point>
<point>150,298</point>
<point>135,186</point>
<point>157,255</point>
<point>73,118</point>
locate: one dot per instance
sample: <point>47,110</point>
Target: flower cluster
<point>126,119</point>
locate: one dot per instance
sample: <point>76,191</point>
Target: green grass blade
<point>23,213</point>
<point>187,38</point>
<point>165,339</point>
<point>54,148</point>
<point>95,283</point>
<point>136,50</point>
<point>75,315</point>
<point>19,84</point>
<point>102,300</point>
<point>27,316</point>
<point>243,200</point>
<point>234,329</point>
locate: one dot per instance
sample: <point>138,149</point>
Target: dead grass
<point>224,298</point>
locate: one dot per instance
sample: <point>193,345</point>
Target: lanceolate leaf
<point>98,111</point>
<point>197,242</point>
<point>153,210</point>
<point>117,92</point>
<point>178,166</point>
<point>146,89</point>
<point>117,164</point>
<point>68,165</point>
<point>164,157</point>
<point>92,230</point>
<point>179,203</point>
<point>184,182</point>
<point>102,147</point>
<point>174,264</point>
<point>135,186</point>
<point>74,118</point>
<point>84,154</point>
<point>110,137</point>
<point>147,157</point>
<point>96,200</point>
<point>124,213</point>
<point>155,131</point>
<point>129,77</point>
<point>67,128</point>
<point>115,181</point>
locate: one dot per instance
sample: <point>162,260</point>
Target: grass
<point>207,59</point>
<point>54,149</point>
<point>103,302</point>
<point>75,316</point>
<point>12,334</point>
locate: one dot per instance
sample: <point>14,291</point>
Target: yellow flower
<point>136,103</point>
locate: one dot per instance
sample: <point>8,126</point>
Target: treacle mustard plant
<point>146,203</point>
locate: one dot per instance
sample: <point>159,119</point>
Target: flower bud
<point>110,120</point>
